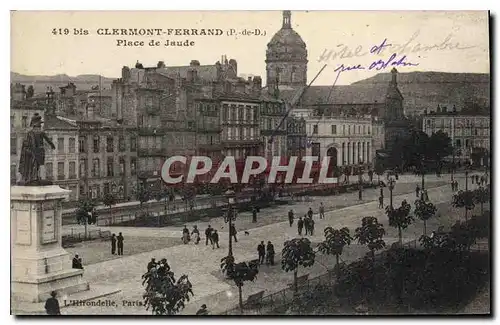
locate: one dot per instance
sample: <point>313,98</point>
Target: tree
<point>424,211</point>
<point>143,195</point>
<point>163,194</point>
<point>379,168</point>
<point>84,210</point>
<point>481,196</point>
<point>109,200</point>
<point>400,218</point>
<point>464,199</point>
<point>164,295</point>
<point>439,147</point>
<point>297,252</point>
<point>30,91</point>
<point>334,243</point>
<point>370,234</point>
<point>347,173</point>
<point>239,273</point>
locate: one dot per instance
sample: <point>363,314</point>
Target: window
<point>122,166</point>
<point>82,141</point>
<point>109,144</point>
<point>368,129</point>
<point>82,190</point>
<point>49,171</point>
<point>72,144</point>
<point>96,144</point>
<point>349,129</point>
<point>72,169</point>
<point>334,129</point>
<point>106,188</point>
<point>364,129</point>
<point>458,143</point>
<point>13,145</point>
<point>13,172</point>
<point>60,170</point>
<point>121,143</point>
<point>133,144</point>
<point>83,167</point>
<point>60,144</point>
<point>315,129</point>
<point>343,129</point>
<point>467,143</point>
<point>359,129</point>
<point>315,149</point>
<point>233,112</point>
<point>109,166</point>
<point>95,168</point>
<point>24,122</point>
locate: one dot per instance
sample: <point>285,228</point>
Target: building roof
<point>52,122</point>
<point>287,36</point>
<point>349,94</point>
<point>205,72</point>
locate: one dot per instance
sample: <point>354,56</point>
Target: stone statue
<point>33,154</point>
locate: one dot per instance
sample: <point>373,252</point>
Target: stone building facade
<point>296,136</point>
<point>273,127</point>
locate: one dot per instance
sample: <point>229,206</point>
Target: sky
<point>451,41</point>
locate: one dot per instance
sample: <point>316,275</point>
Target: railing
<point>286,297</point>
<point>78,236</point>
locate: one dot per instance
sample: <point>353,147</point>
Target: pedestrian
<point>261,249</point>
<point>382,192</point>
<point>119,241</point>
<point>380,202</point>
<point>233,232</point>
<point>270,253</point>
<point>215,239</point>
<point>417,191</point>
<point>456,185</point>
<point>310,213</point>
<point>113,244</point>
<point>254,214</point>
<point>152,264</point>
<point>52,305</point>
<point>306,225</point>
<point>426,195</point>
<point>311,227</point>
<point>321,210</point>
<point>185,235</point>
<point>77,262</point>
<point>300,225</point>
<point>290,217</point>
<point>208,235</point>
<point>195,234</point>
<point>202,311</point>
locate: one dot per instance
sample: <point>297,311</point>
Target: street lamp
<point>230,216</point>
<point>360,181</point>
<point>391,183</point>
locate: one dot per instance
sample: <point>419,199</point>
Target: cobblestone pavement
<point>202,263</point>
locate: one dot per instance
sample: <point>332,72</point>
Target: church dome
<point>287,36</point>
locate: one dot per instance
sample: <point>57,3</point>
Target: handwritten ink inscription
<point>394,60</point>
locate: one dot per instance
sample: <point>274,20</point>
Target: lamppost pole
<point>360,180</point>
<point>391,183</point>
<point>229,217</point>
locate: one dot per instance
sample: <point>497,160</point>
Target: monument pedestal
<point>39,263</point>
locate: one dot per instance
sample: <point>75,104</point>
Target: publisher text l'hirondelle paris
<point>254,165</point>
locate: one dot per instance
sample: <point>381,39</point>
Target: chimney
<point>240,86</point>
<point>192,75</point>
<point>194,63</point>
<point>425,111</point>
<point>454,109</point>
<point>445,109</point>
<point>257,84</point>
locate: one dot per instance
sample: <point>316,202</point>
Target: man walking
<point>417,191</point>
<point>380,202</point>
<point>208,235</point>
<point>321,211</point>
<point>52,305</point>
<point>254,215</point>
<point>310,213</point>
<point>270,253</point>
<point>202,311</point>
<point>120,243</point>
<point>261,249</point>
<point>77,263</point>
<point>300,225</point>
<point>307,223</point>
<point>232,233</point>
<point>311,227</point>
<point>215,239</point>
<point>290,217</point>
<point>113,244</point>
<point>151,264</point>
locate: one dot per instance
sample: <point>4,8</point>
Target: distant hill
<point>40,83</point>
<point>426,90</point>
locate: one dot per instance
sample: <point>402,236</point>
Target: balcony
<point>60,177</point>
<point>72,176</point>
<point>145,174</point>
<point>151,131</point>
<point>151,152</point>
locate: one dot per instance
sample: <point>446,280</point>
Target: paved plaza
<point>202,263</point>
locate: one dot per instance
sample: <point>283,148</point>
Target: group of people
<point>266,253</point>
<point>454,185</point>
<point>422,193</point>
<point>117,241</point>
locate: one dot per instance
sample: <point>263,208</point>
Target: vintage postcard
<point>250,163</point>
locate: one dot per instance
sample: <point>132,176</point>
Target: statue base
<point>39,263</point>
